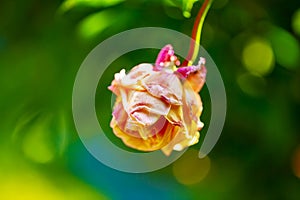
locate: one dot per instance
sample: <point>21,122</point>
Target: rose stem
<point>196,33</point>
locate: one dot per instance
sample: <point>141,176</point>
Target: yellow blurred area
<point>296,22</point>
<point>258,56</point>
<point>28,186</point>
<point>33,186</point>
<point>28,169</point>
<point>24,182</point>
<point>36,146</point>
<point>189,169</point>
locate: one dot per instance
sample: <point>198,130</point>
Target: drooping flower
<point>158,106</point>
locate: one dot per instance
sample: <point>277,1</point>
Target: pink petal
<point>145,108</point>
<point>131,80</point>
<point>155,142</point>
<point>136,74</point>
<point>166,55</point>
<point>131,126</point>
<point>196,75</point>
<point>164,85</point>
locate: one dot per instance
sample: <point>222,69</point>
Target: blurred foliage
<point>255,44</point>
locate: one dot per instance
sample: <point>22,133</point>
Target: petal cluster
<point>158,106</point>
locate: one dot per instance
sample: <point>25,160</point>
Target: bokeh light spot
<point>69,4</point>
<point>286,48</point>
<point>258,57</point>
<point>36,147</point>
<point>296,162</point>
<point>296,22</point>
<point>95,24</point>
<point>189,169</point>
<point>251,84</point>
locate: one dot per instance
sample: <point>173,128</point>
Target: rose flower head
<point>158,106</point>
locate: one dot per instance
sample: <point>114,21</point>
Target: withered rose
<point>158,106</point>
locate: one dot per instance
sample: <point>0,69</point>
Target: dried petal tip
<point>195,75</point>
<point>186,71</point>
<point>166,58</point>
<point>202,61</point>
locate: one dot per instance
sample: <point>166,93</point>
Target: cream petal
<point>182,139</point>
<point>149,131</point>
<point>157,141</point>
<point>119,114</point>
<point>180,142</point>
<point>179,137</point>
<point>144,116</point>
<point>192,108</point>
<point>125,95</point>
<point>131,80</point>
<point>187,142</point>
<point>142,104</point>
<point>175,115</point>
<point>135,129</point>
<point>195,75</point>
<point>197,79</point>
<point>195,139</point>
<point>192,102</point>
<point>139,72</point>
<point>164,85</point>
<point>123,121</point>
<point>157,135</point>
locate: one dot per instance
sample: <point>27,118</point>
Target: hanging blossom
<point>158,106</point>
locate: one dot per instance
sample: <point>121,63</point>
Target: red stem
<point>197,24</point>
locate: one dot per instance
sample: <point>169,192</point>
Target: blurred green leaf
<point>96,23</point>
<point>43,136</point>
<point>69,4</point>
<point>258,56</point>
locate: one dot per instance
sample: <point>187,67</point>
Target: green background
<point>255,45</point>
